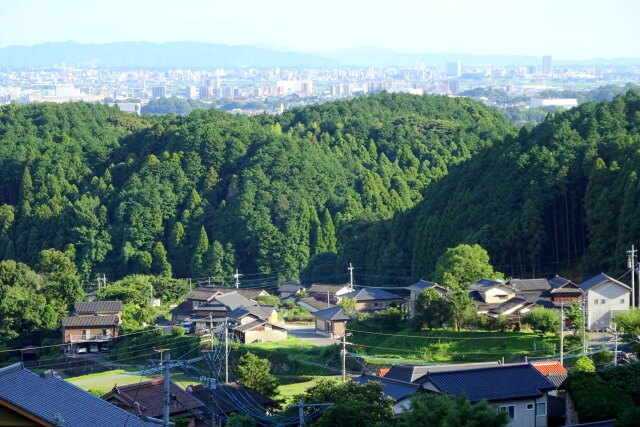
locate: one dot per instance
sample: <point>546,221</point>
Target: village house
<point>145,399</point>
<point>30,399</point>
<point>400,391</point>
<point>256,324</point>
<point>420,286</point>
<point>290,289</point>
<point>226,399</point>
<point>604,298</point>
<point>331,321</point>
<point>324,290</point>
<point>92,327</point>
<point>372,299</point>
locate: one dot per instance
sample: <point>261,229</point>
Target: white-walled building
<point>604,297</point>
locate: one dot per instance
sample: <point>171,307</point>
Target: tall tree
<point>463,265</point>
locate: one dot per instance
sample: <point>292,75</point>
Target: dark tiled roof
<point>416,373</point>
<point>493,384</point>
<point>202,293</point>
<point>322,288</point>
<point>395,389</point>
<point>558,281</point>
<point>511,304</point>
<point>421,285</point>
<point>316,304</point>
<point>333,313</point>
<point>485,284</point>
<point>371,294</point>
<point>74,321</point>
<point>98,307</point>
<point>262,312</point>
<point>45,395</point>
<point>149,396</point>
<point>557,379</point>
<point>249,326</point>
<point>529,284</point>
<point>231,397</point>
<point>290,287</point>
<point>184,307</point>
<point>596,280</point>
<point>233,300</point>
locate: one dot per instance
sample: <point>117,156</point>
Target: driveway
<point>310,334</point>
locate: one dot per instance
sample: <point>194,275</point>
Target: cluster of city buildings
<point>293,86</point>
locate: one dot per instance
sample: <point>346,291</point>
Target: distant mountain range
<point>196,54</point>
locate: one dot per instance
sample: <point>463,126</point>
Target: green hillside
<point>203,194</point>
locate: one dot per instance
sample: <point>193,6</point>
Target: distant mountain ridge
<point>198,55</point>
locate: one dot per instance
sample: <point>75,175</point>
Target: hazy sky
<point>566,29</point>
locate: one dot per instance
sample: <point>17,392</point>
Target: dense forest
<point>387,182</point>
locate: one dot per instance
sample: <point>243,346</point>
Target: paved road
<point>310,334</point>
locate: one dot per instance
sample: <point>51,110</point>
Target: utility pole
<point>237,277</point>
<point>350,275</point>
<point>614,330</point>
<point>190,285</point>
<point>562,334</point>
<point>211,330</point>
<point>328,300</point>
<point>584,325</point>
<point>631,263</point>
<point>166,393</point>
<point>226,350</point>
<point>344,357</point>
<point>301,405</point>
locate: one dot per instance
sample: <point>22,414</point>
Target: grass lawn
<point>104,381</point>
<point>291,386</point>
<point>441,346</point>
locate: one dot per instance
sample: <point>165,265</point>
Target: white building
<point>604,298</point>
<point>553,102</point>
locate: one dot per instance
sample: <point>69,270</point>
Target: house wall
<point>263,336</point>
<point>339,328</point>
<point>11,417</point>
<point>77,331</point>
<point>526,417</point>
<point>322,325</point>
<point>498,294</point>
<point>611,298</point>
<point>371,305</point>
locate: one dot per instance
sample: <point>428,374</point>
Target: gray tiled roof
<point>371,294</point>
<point>558,281</point>
<point>485,284</point>
<point>529,284</point>
<point>395,389</point>
<point>98,307</point>
<point>421,285</point>
<point>416,373</point>
<point>290,287</point>
<point>45,395</point>
<point>316,304</point>
<point>233,300</point>
<point>596,280</point>
<point>493,384</point>
<point>74,321</point>
<point>333,313</point>
<point>203,293</point>
<point>262,312</point>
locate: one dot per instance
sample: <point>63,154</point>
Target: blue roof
<point>44,396</point>
<point>370,294</point>
<point>596,280</point>
<point>493,384</point>
<point>395,389</point>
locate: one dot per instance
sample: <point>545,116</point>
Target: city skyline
<point>569,30</point>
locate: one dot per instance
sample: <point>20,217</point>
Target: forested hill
<point>561,198</point>
<point>200,195</point>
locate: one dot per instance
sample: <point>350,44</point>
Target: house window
<point>542,409</point>
<point>621,300</point>
<point>501,296</point>
<point>84,334</point>
<point>603,301</point>
<point>595,301</point>
<point>509,410</point>
<point>529,406</point>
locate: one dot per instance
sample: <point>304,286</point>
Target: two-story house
<point>92,327</point>
<point>256,324</point>
<point>604,297</point>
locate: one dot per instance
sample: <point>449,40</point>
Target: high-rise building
<point>158,92</point>
<point>547,65</point>
<point>454,69</point>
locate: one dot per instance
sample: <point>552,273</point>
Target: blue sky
<point>566,29</point>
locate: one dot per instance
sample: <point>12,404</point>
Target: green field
<point>291,386</point>
<point>104,381</point>
<point>440,346</point>
<point>301,350</point>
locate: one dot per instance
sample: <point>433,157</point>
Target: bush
<point>603,357</point>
